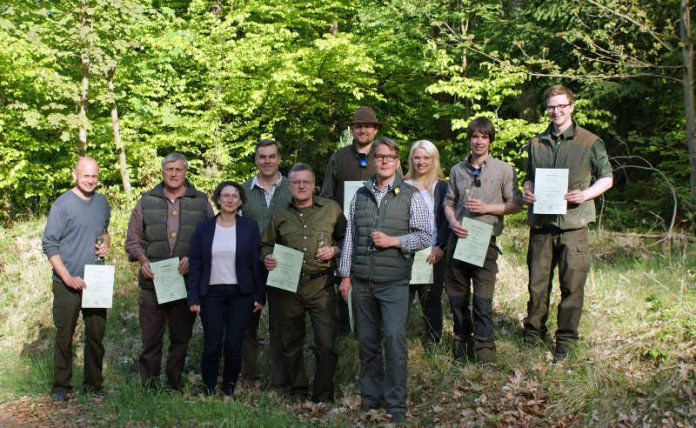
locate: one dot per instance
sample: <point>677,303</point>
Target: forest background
<point>128,81</point>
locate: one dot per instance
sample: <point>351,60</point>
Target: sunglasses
<point>476,173</point>
<point>362,160</point>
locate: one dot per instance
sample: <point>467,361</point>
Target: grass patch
<point>634,364</point>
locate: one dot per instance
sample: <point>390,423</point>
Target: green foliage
<point>209,79</point>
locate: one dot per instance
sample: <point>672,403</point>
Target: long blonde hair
<point>435,172</point>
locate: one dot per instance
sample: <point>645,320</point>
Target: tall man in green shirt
<point>266,192</point>
<point>562,240</point>
<point>314,226</point>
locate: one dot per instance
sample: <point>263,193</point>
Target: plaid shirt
<point>419,223</point>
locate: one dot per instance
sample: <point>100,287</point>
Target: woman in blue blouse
<point>225,284</point>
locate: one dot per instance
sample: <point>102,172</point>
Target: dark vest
<point>388,265</point>
<point>255,206</point>
<point>193,208</point>
<point>576,155</point>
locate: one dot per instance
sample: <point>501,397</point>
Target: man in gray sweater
<point>77,218</point>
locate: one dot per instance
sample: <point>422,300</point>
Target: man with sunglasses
<point>349,165</point>
<point>561,240</point>
<point>484,189</point>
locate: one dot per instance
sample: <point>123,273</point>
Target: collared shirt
<point>419,224</point>
<point>584,155</point>
<point>299,228</point>
<point>498,185</point>
<point>268,194</point>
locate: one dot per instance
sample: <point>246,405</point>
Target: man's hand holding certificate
<point>288,266</point>
<point>169,283</point>
<point>474,247</point>
<point>99,288</point>
<point>550,187</point>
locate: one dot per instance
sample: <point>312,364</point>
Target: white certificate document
<point>422,271</point>
<point>550,187</point>
<point>350,310</point>
<point>349,189</point>
<point>286,274</point>
<point>99,289</point>
<point>474,247</point>
<point>169,283</point>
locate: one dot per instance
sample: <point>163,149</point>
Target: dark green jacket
<point>389,265</point>
<point>300,229</point>
<point>584,155</point>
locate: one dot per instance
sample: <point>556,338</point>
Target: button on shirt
<point>299,228</point>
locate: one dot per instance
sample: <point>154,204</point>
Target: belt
<point>312,276</point>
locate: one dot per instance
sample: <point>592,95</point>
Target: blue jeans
<point>380,316</point>
<point>225,315</point>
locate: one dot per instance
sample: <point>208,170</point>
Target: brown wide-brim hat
<point>365,116</point>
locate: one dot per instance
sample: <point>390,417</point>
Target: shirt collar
<point>566,135</point>
<point>255,182</point>
<point>316,202</point>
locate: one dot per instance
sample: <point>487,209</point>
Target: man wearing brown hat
<point>350,164</point>
<point>354,162</point>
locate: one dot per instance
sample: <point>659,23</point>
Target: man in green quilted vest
<point>562,239</point>
<point>388,221</point>
<point>161,226</point>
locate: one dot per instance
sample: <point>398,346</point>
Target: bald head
<point>86,176</point>
<point>86,162</point>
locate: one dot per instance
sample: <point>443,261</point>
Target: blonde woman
<point>425,174</point>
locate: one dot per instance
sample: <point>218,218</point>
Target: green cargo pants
<point>569,250</point>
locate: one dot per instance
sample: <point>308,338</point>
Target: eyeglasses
<point>362,160</point>
<point>551,109</point>
<point>386,158</point>
<point>301,182</point>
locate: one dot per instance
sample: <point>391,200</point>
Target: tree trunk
<point>82,132</point>
<point>688,85</point>
<point>122,161</point>
<point>84,90</point>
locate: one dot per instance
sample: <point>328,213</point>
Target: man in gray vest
<point>350,164</point>
<point>161,226</point>
<point>561,240</point>
<point>266,192</point>
<point>77,219</point>
<point>388,221</point>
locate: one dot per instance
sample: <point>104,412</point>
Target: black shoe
<point>463,349</point>
<point>59,395</point>
<point>94,392</point>
<point>485,355</point>
<point>366,407</point>
<point>397,418</point>
<point>559,355</point>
